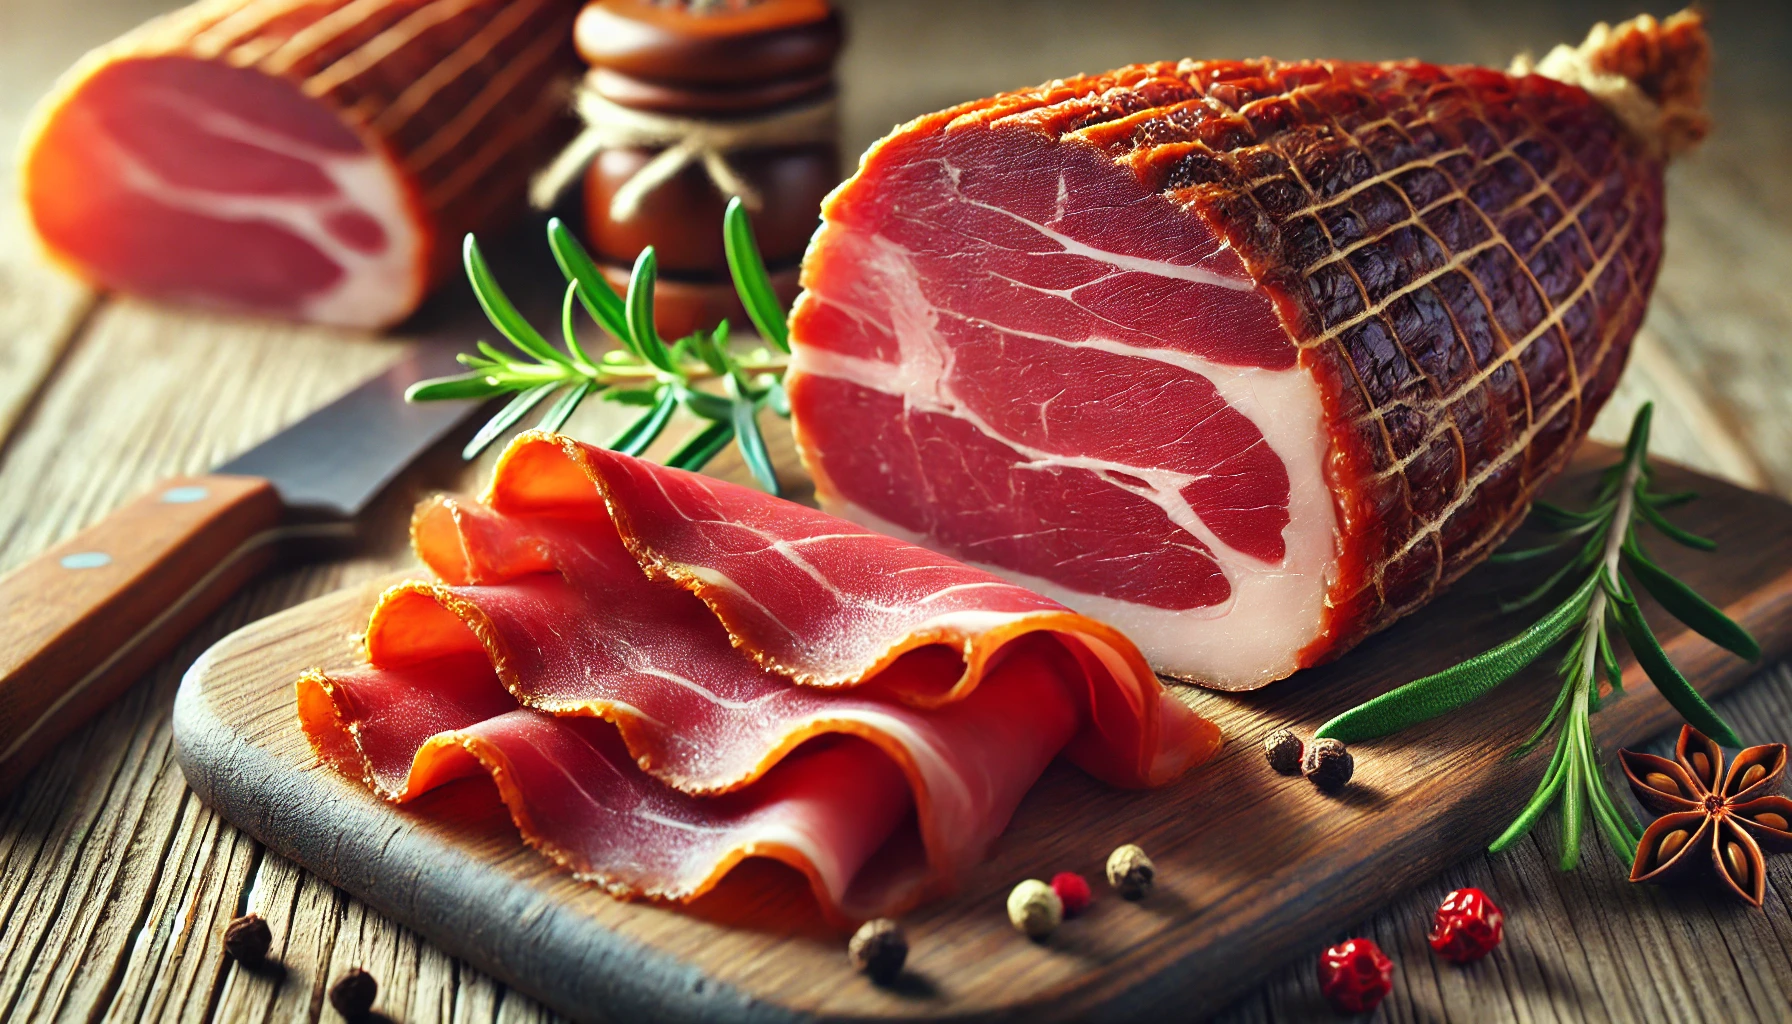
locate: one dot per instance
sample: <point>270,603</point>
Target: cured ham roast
<point>1245,358</point>
<point>665,674</point>
<point>315,159</point>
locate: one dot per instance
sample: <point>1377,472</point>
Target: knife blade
<point>87,617</point>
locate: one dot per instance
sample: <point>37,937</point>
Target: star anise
<point>1705,826</point>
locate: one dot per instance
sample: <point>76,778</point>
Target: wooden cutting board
<point>1253,868</point>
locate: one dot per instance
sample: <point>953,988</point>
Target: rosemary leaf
<point>1572,816</point>
<point>599,299</point>
<point>506,418</point>
<point>1672,532</point>
<point>1638,442</point>
<point>1665,676</point>
<point>1544,795</point>
<point>569,330</point>
<point>1674,500</point>
<point>709,349</point>
<point>718,340</point>
<point>1560,518</point>
<point>462,385</point>
<point>704,404</point>
<point>1549,720</point>
<point>751,281</point>
<point>1542,590</point>
<point>1459,684</point>
<point>1625,831</point>
<point>1523,554</point>
<point>562,410</point>
<point>1685,604</point>
<point>639,307</point>
<point>702,447</point>
<point>501,312</point>
<point>1599,800</point>
<point>631,396</point>
<point>645,430</point>
<point>778,398</point>
<point>752,443</point>
<point>1608,658</point>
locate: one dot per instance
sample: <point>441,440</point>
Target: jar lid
<point>709,42</point>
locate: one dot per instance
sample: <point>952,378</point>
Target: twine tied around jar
<point>610,125</point>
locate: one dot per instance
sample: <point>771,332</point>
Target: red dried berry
<point>1468,926</point>
<point>1072,891</point>
<point>1355,975</point>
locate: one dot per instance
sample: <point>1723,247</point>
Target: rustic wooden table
<point>115,882</point>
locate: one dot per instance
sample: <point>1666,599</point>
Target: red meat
<point>1247,359</point>
<point>776,683</point>
<point>317,159</point>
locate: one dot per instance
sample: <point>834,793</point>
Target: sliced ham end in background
<point>317,162</point>
<point>1246,359</point>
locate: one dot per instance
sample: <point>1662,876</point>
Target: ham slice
<point>1246,358</point>
<point>316,159</point>
<point>665,674</point>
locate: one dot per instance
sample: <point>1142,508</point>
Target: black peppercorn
<point>1284,751</point>
<point>879,949</point>
<point>1328,765</point>
<point>354,993</point>
<point>247,939</point>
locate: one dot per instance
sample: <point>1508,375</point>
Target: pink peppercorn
<point>1468,926</point>
<point>1355,976</point>
<point>1072,891</point>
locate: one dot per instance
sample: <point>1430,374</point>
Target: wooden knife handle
<point>86,618</point>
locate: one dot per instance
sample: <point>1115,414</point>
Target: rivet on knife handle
<point>86,618</point>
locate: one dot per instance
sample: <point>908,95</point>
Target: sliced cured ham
<point>316,159</point>
<point>665,674</point>
<point>1246,358</point>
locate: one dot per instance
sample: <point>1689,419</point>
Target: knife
<point>86,618</point>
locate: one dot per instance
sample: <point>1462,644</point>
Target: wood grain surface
<point>1249,863</point>
<point>116,882</point>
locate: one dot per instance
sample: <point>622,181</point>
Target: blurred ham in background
<point>313,160</point>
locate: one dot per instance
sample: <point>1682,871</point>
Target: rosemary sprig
<point>642,369</point>
<point>1601,602</point>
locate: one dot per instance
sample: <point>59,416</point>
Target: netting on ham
<point>709,651</point>
<point>1247,358</point>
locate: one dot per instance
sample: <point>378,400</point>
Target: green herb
<point>1602,602</point>
<point>642,369</point>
